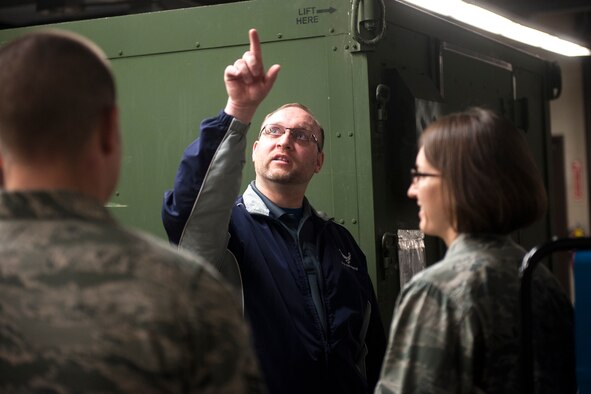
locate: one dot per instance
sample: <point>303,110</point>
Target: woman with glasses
<point>456,324</point>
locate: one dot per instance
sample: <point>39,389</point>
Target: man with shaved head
<point>87,305</point>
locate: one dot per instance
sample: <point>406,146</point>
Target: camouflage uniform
<point>456,325</point>
<point>88,306</point>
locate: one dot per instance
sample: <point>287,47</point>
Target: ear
<point>319,162</point>
<point>109,133</point>
<point>254,148</point>
<point>108,153</point>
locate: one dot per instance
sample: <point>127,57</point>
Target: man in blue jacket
<point>302,277</point>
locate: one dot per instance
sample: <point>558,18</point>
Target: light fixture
<point>497,24</point>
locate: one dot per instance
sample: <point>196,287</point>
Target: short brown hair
<point>307,110</point>
<point>489,174</point>
<point>54,87</point>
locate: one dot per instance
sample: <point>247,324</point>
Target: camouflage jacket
<point>456,325</point>
<point>89,306</point>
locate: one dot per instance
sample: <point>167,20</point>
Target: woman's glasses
<point>415,175</point>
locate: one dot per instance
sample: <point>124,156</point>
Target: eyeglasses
<point>302,136</point>
<point>416,175</point>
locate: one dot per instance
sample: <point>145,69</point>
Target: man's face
<point>283,158</point>
<point>428,190</point>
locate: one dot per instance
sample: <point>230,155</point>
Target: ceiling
<point>543,14</point>
<point>18,13</point>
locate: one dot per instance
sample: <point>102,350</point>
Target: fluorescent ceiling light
<point>497,24</point>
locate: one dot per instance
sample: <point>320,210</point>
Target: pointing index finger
<point>255,44</point>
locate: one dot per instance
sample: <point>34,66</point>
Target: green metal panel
<point>362,133</point>
<point>206,27</point>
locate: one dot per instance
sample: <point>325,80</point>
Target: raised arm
<point>197,211</point>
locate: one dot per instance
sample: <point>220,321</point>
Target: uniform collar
<point>51,205</point>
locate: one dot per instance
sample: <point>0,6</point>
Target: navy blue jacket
<point>295,353</point>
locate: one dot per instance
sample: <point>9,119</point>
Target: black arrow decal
<point>325,10</point>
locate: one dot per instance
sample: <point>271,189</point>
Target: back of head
<point>489,173</point>
<point>55,88</point>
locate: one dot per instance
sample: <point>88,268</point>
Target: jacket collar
<point>254,204</point>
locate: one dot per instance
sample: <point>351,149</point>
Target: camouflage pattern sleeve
<point>424,352</point>
<point>225,361</point>
<point>214,337</point>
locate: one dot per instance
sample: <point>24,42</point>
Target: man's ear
<point>109,132</point>
<point>254,147</point>
<point>319,161</point>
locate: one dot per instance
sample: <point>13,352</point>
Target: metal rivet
<point>279,35</point>
<point>351,134</point>
<point>120,53</point>
<point>346,46</point>
<point>334,48</point>
<point>117,194</point>
<point>354,221</point>
<point>338,135</point>
<point>331,30</point>
<point>341,221</point>
<point>197,44</point>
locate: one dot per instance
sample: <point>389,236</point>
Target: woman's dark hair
<point>489,174</point>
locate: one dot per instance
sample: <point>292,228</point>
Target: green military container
<point>373,73</point>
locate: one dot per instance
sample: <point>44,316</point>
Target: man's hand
<point>246,82</point>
